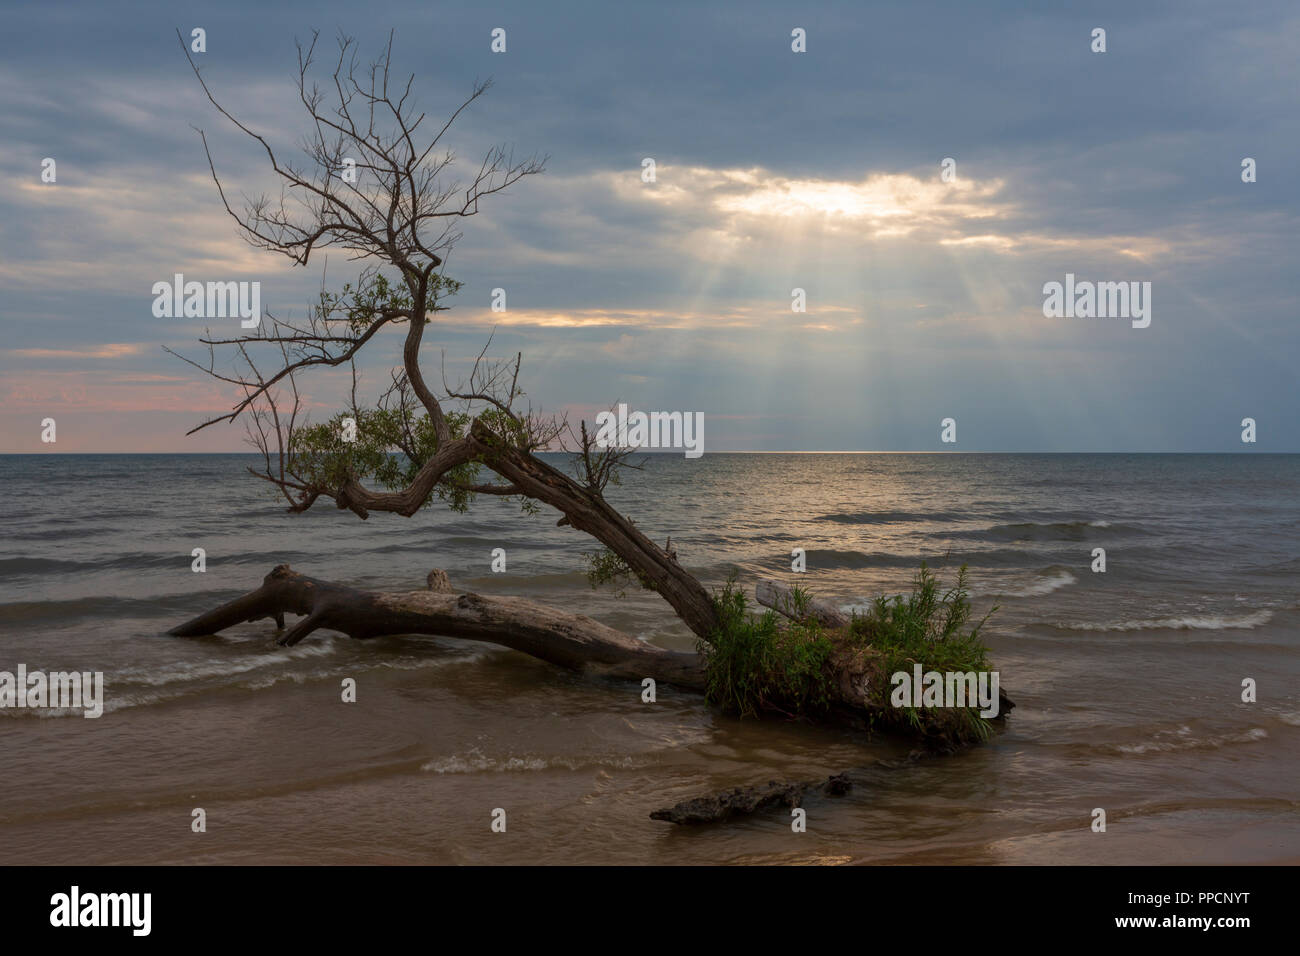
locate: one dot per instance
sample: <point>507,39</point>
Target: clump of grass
<point>933,628</point>
<point>926,626</point>
<point>755,664</point>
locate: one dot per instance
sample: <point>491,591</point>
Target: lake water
<point>1128,683</point>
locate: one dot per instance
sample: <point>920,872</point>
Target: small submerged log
<point>743,801</point>
<point>746,801</point>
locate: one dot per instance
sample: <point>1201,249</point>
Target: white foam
<point>1194,743</point>
<point>185,672</point>
<point>476,762</point>
<point>1044,585</point>
<point>1205,622</point>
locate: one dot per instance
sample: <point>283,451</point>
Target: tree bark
<point>571,641</point>
<point>588,511</point>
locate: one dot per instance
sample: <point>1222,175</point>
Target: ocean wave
<point>184,680</point>
<point>1050,531</point>
<point>20,567</point>
<point>1204,622</point>
<point>110,703</point>
<point>178,560</point>
<point>71,533</point>
<point>888,517</point>
<point>476,762</point>
<point>164,606</point>
<point>937,561</point>
<point>1052,580</point>
<point>188,672</point>
<point>536,583</point>
<point>835,558</point>
<point>46,713</point>
<point>1290,566</point>
<point>178,688</point>
<point>412,664</point>
<point>1184,739</point>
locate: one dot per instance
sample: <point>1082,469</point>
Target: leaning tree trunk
<point>588,511</point>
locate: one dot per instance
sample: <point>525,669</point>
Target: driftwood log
<point>743,801</point>
<point>571,641</point>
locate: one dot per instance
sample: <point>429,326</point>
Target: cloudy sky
<point>775,170</point>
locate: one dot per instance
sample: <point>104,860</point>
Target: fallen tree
<point>571,641</point>
<point>413,443</point>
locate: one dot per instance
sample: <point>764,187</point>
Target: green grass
<point>758,663</point>
<point>928,626</point>
<point>931,627</point>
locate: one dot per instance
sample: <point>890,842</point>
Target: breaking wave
<point>476,762</point>
<point>1191,622</point>
<point>1046,584</point>
<point>1183,739</point>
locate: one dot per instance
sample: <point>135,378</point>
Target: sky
<point>775,170</point>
